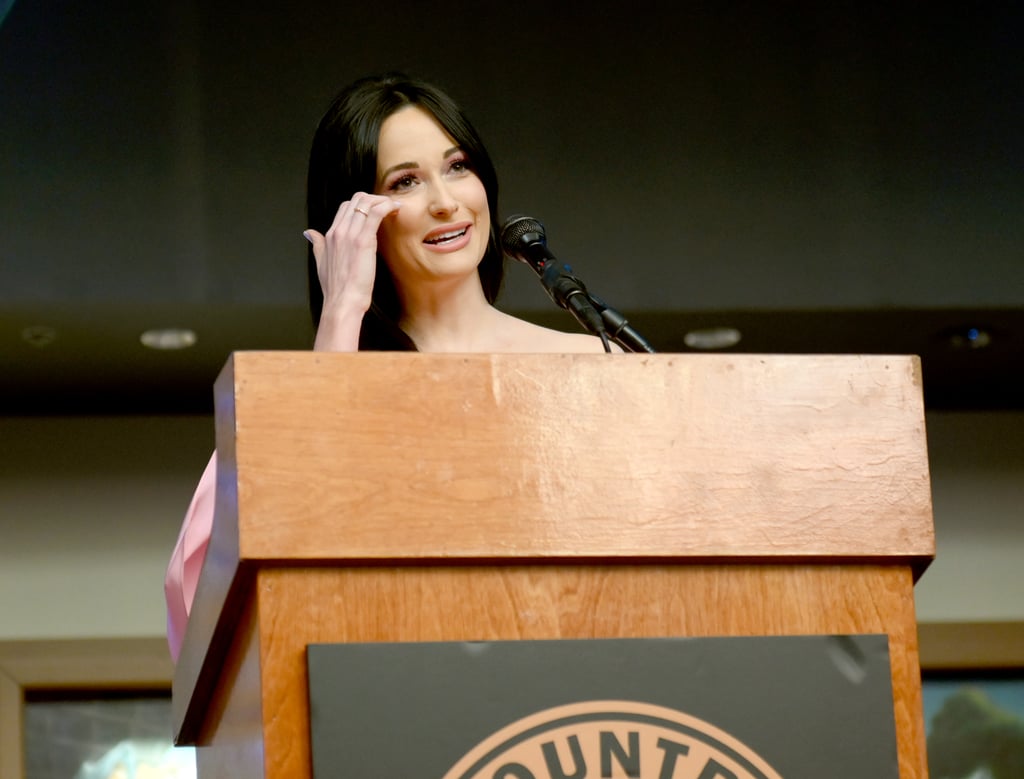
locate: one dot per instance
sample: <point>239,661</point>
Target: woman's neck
<point>453,317</point>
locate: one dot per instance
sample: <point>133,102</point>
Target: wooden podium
<point>415,497</point>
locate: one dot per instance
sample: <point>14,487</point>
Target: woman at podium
<point>402,203</point>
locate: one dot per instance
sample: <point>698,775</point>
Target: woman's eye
<point>460,165</point>
<point>402,183</point>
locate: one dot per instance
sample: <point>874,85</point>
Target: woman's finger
<point>317,241</point>
<point>346,255</point>
<point>371,209</point>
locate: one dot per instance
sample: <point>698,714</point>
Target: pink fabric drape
<point>187,558</point>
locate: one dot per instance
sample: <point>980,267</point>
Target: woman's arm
<point>346,258</point>
<point>346,263</point>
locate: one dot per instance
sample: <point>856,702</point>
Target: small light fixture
<point>970,338</point>
<point>39,336</point>
<point>168,338</point>
<point>712,338</point>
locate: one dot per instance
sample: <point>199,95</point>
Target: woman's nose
<point>443,202</point>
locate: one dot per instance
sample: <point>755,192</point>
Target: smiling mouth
<point>444,238</point>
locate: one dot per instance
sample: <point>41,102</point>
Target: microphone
<point>523,239</point>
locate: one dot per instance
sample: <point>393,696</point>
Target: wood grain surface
<point>440,603</point>
<point>380,497</point>
<point>410,456</point>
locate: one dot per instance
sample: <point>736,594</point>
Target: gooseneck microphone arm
<point>523,238</point>
<point>569,292</point>
<point>619,328</point>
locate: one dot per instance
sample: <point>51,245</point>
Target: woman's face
<point>441,230</point>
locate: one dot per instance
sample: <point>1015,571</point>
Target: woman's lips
<point>448,239</point>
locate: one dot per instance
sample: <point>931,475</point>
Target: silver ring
<point>358,210</point>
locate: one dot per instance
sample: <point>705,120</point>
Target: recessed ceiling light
<point>168,338</point>
<point>712,338</point>
<point>39,336</point>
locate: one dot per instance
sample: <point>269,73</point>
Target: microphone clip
<point>524,239</point>
<point>567,291</point>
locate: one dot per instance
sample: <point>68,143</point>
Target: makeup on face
<point>444,223</point>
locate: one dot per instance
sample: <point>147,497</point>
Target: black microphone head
<point>520,232</point>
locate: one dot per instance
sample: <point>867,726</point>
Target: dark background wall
<point>834,178</point>
<point>823,176</point>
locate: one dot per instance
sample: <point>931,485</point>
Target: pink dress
<point>187,559</point>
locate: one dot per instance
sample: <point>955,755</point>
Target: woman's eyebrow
<point>412,165</point>
<point>399,166</point>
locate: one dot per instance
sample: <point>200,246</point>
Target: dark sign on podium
<point>700,708</point>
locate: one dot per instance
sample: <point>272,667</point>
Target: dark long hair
<point>343,161</point>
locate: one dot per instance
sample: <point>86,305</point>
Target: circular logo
<point>611,740</point>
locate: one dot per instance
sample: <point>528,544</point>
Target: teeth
<point>447,236</point>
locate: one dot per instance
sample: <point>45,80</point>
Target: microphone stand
<point>570,293</point>
<point>593,314</point>
<point>619,329</point>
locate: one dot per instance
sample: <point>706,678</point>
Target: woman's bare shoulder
<point>523,336</point>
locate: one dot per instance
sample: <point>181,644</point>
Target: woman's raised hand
<point>346,261</point>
